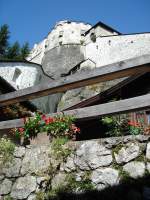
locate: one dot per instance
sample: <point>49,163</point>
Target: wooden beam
<point>109,72</point>
<point>122,106</point>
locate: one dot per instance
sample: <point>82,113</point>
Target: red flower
<point>21,130</point>
<point>44,117</point>
<point>75,129</point>
<point>49,120</point>
<point>132,123</point>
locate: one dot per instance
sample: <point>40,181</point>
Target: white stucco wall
<point>20,74</point>
<point>98,31</point>
<point>37,52</point>
<point>112,49</point>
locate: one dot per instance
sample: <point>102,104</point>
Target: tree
<point>24,51</point>
<point>4,36</point>
<point>13,51</point>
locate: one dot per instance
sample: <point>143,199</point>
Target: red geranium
<point>44,117</point>
<point>132,123</point>
<point>49,120</point>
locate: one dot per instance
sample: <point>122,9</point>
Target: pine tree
<point>24,52</point>
<point>11,51</point>
<point>4,36</point>
<point>14,51</point>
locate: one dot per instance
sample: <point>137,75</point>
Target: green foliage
<point>4,36</point>
<point>14,51</point>
<point>40,195</point>
<point>6,150</point>
<point>116,125</point>
<point>71,185</point>
<point>8,197</point>
<point>83,185</point>
<point>124,175</point>
<point>117,148</point>
<point>31,127</point>
<point>59,150</point>
<point>24,51</point>
<point>59,126</point>
<point>135,130</point>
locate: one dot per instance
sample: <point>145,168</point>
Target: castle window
<point>16,74</point>
<point>93,37</point>
<point>82,32</point>
<point>61,33</point>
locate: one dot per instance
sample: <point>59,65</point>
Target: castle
<point>71,47</point>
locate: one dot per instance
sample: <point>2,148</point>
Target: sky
<point>31,20</point>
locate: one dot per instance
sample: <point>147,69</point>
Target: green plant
<point>40,195</point>
<point>58,126</point>
<point>83,185</point>
<point>32,127</point>
<point>13,51</point>
<point>116,125</point>
<point>6,150</point>
<point>71,185</point>
<point>135,128</point>
<point>59,150</point>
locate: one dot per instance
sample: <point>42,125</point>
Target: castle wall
<point>63,33</point>
<point>112,49</point>
<point>61,59</point>
<point>99,32</point>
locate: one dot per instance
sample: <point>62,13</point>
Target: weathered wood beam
<point>122,106</point>
<point>109,72</point>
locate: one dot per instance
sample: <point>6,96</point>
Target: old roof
<point>105,26</point>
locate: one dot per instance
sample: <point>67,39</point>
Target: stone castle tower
<point>62,49</point>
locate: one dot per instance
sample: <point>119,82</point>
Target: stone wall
<point>106,161</point>
<point>62,59</point>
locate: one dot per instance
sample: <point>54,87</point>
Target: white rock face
<point>5,187</point>
<point>35,160</point>
<point>135,169</point>
<point>126,154</point>
<point>23,187</point>
<point>13,168</point>
<point>92,155</point>
<point>105,177</point>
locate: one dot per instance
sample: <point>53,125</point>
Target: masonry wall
<point>112,49</point>
<point>107,162</point>
<point>61,59</point>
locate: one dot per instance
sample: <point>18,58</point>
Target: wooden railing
<point>121,69</point>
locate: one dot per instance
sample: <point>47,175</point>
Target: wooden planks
<point>122,106</point>
<point>109,72</point>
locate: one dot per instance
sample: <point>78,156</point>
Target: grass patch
<point>59,150</point>
<point>6,150</point>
